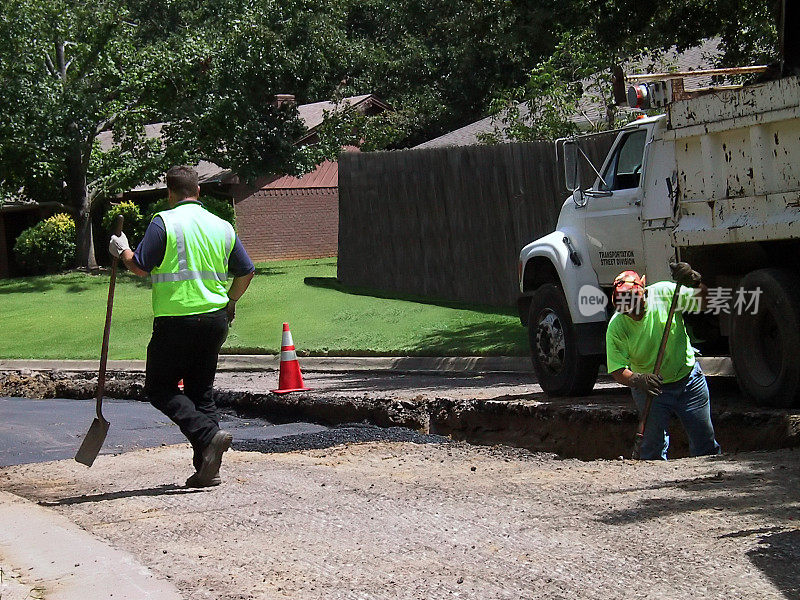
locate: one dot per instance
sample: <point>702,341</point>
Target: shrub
<point>48,246</point>
<point>222,208</point>
<point>134,224</point>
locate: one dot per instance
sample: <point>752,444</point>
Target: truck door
<point>613,210</point>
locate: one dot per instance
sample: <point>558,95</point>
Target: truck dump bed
<point>737,154</point>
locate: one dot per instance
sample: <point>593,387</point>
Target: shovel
<point>637,443</point>
<point>98,430</point>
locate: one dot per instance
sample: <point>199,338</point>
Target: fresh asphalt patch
<point>44,430</point>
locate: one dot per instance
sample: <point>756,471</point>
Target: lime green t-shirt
<point>634,344</point>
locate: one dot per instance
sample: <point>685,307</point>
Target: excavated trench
<point>598,426</point>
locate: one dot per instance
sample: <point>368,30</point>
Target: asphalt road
<point>33,431</point>
<point>44,430</point>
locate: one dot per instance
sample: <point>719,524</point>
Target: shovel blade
<point>93,441</point>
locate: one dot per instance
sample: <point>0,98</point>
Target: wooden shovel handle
<point>659,359</point>
<point>101,378</point>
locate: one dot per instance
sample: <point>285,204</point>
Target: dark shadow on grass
<point>486,339</point>
<point>493,339</point>
<point>162,490</point>
<point>73,282</point>
<point>25,285</point>
<point>334,284</point>
<point>266,271</point>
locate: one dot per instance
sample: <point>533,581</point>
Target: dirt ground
<point>439,520</point>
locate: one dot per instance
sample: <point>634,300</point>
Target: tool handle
<point>101,378</point>
<point>659,359</point>
<point>665,336</point>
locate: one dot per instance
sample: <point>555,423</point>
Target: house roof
<point>326,175</point>
<point>590,110</point>
<point>24,205</point>
<point>312,116</point>
<point>208,172</point>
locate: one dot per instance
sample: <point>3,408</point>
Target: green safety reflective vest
<point>191,278</point>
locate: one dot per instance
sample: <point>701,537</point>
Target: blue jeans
<point>688,400</point>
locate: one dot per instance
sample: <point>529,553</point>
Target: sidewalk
<point>712,365</point>
<point>57,560</point>
<point>272,362</point>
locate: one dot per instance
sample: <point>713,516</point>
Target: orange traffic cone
<point>290,379</point>
<point>180,386</point>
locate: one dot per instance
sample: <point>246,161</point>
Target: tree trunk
<point>79,198</point>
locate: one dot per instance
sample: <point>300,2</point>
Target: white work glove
<point>118,244</point>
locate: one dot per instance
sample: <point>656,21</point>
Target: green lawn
<point>61,316</point>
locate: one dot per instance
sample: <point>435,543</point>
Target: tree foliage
<point>594,35</point>
<point>134,223</point>
<point>48,246</point>
<point>73,70</point>
<point>216,206</point>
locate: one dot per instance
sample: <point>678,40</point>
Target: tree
<point>438,62</point>
<point>72,70</point>
<point>596,34</point>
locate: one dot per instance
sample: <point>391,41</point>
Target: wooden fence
<point>449,223</point>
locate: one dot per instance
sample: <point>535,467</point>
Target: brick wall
<point>289,223</point>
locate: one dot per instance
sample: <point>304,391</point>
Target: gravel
<point>344,434</point>
<point>400,520</point>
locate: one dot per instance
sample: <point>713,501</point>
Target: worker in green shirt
<point>632,341</point>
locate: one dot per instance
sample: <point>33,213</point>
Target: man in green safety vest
<point>188,253</point>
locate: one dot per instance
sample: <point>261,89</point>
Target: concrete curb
<point>67,561</point>
<point>271,362</point>
<point>712,366</point>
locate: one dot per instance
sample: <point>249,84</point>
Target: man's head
<point>182,183</point>
<point>629,294</point>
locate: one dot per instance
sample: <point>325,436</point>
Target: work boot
<point>197,461</point>
<point>212,458</point>
<point>197,458</point>
<point>194,481</point>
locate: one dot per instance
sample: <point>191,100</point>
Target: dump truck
<point>713,181</point>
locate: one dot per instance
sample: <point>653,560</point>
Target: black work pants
<point>186,348</point>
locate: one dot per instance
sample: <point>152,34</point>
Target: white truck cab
<point>714,181</point>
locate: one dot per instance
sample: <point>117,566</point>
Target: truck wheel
<point>560,369</point>
<point>765,345</point>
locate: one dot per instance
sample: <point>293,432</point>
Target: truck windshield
<point>625,168</point>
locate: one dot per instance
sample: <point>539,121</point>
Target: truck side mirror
<point>571,166</point>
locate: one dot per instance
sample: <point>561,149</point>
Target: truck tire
<point>765,345</point>
<point>561,371</point>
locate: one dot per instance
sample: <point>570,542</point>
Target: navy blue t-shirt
<point>150,251</point>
